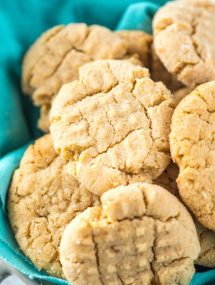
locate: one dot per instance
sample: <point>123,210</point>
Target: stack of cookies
<point>121,188</point>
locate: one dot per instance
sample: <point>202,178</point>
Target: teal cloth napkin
<point>21,22</point>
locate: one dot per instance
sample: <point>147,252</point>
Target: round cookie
<point>56,56</point>
<point>43,122</point>
<point>54,59</point>
<point>43,199</point>
<point>159,73</point>
<point>192,143</point>
<point>184,40</point>
<point>206,237</point>
<point>115,122</point>
<point>141,234</point>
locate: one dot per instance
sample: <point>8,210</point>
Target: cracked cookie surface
<point>43,199</point>
<point>207,243</point>
<point>141,234</point>
<point>54,59</point>
<point>192,144</point>
<point>115,123</point>
<point>206,237</point>
<point>56,56</point>
<point>184,40</point>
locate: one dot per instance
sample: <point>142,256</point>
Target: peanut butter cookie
<point>115,123</point>
<point>184,40</point>
<point>43,199</point>
<point>206,237</point>
<point>141,234</point>
<point>57,55</point>
<point>192,142</point>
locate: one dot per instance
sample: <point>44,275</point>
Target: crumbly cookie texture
<point>43,199</point>
<point>184,40</point>
<point>207,243</point>
<point>160,73</point>
<point>43,122</point>
<point>140,235</point>
<point>192,143</point>
<point>115,123</point>
<point>139,43</point>
<point>206,237</point>
<point>168,179</point>
<point>180,94</point>
<point>57,55</point>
